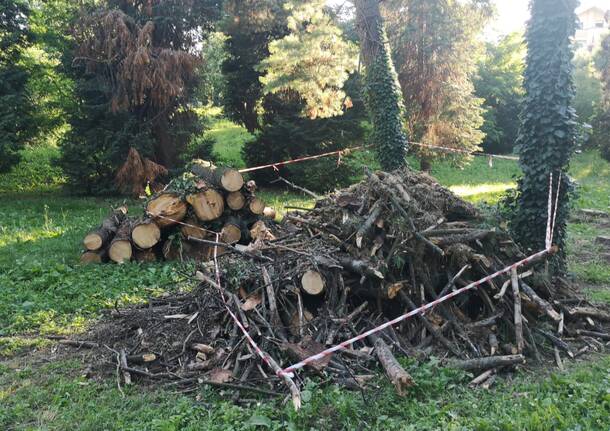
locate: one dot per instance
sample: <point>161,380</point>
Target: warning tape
<point>346,151</point>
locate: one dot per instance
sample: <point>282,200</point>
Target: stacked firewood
<point>361,257</point>
<point>181,221</point>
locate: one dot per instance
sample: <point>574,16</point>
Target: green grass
<point>55,397</point>
<point>43,289</point>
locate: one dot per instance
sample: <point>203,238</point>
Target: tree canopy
<point>435,46</point>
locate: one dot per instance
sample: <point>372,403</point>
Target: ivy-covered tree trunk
<point>381,89</point>
<point>547,135</point>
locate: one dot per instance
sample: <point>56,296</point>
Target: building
<point>593,26</point>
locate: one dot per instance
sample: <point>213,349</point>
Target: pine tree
<point>381,89</point>
<point>135,65</point>
<point>435,44</point>
<point>250,26</point>
<point>16,107</point>
<point>547,135</point>
<point>313,60</point>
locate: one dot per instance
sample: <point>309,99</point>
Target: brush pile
<point>361,257</point>
<point>180,221</point>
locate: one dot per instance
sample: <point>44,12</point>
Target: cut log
<point>146,234</point>
<point>103,235</point>
<point>231,231</point>
<point>166,209</point>
<point>236,201</point>
<point>208,205</point>
<point>590,312</point>
<point>120,248</point>
<point>256,206</point>
<point>514,278</point>
<point>91,257</point>
<point>487,362</point>
<point>269,213</point>
<point>395,372</point>
<point>541,303</point>
<point>220,177</point>
<point>600,335</point>
<point>192,228</point>
<point>145,256</point>
<point>312,282</point>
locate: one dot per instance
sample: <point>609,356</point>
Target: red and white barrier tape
<point>345,151</point>
<point>238,322</point>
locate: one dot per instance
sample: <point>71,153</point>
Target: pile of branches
<point>180,222</point>
<point>361,257</point>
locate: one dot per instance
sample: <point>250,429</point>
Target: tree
<point>381,88</point>
<point>313,60</point>
<point>212,86</point>
<point>601,119</point>
<point>250,25</point>
<point>16,106</point>
<point>136,70</point>
<point>499,83</point>
<point>546,139</point>
<point>304,105</point>
<point>435,45</point>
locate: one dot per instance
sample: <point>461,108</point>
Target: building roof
<point>605,12</point>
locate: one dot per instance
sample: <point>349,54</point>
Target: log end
<point>146,235</point>
<point>93,242</point>
<point>120,251</point>
<point>313,282</point>
<point>232,180</point>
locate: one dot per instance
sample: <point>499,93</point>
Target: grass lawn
<point>44,290</point>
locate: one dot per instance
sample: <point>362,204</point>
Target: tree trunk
<point>382,91</point>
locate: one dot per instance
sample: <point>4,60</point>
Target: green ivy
<point>546,139</point>
<point>383,99</point>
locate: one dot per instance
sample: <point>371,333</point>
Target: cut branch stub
<point>208,205</point>
<point>224,178</point>
<point>146,234</point>
<point>236,201</point>
<point>167,209</point>
<point>269,213</point>
<point>312,282</point>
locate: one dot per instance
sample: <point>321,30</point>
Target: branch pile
<point>362,256</point>
<point>180,222</point>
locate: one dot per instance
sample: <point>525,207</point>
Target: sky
<point>513,14</point>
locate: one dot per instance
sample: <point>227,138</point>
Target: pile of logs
<point>361,257</point>
<point>181,221</point>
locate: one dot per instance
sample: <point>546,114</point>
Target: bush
<point>286,135</point>
<point>601,133</point>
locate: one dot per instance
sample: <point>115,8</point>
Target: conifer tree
<point>16,106</point>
